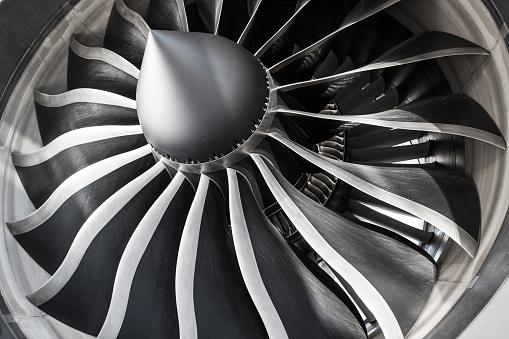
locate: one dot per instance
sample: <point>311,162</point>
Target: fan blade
<point>133,255</point>
<point>275,280</point>
<point>335,239</point>
<point>377,218</point>
<point>252,6</point>
<point>97,221</point>
<point>43,171</point>
<point>282,30</point>
<point>49,242</point>
<point>82,300</point>
<point>87,68</point>
<point>363,10</point>
<point>420,47</point>
<point>440,197</point>
<point>74,184</point>
<point>381,155</point>
<point>208,277</point>
<point>453,114</point>
<point>366,136</point>
<point>167,15</point>
<point>81,108</point>
<point>126,33</point>
<point>210,12</point>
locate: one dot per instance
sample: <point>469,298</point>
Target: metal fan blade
<point>438,196</point>
<point>167,15</point>
<point>101,69</point>
<point>319,238</point>
<point>49,242</point>
<point>363,10</point>
<point>126,33</point>
<point>79,292</point>
<point>252,6</point>
<point>384,155</point>
<point>453,114</point>
<point>208,278</point>
<point>377,218</point>
<point>81,108</point>
<point>275,280</point>
<point>88,232</point>
<point>72,185</point>
<point>210,12</point>
<point>43,171</point>
<point>428,45</point>
<point>282,30</point>
<point>132,256</point>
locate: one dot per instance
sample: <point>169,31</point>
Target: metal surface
<point>186,263</point>
<point>282,30</point>
<point>88,95</point>
<point>430,201</point>
<point>368,294</point>
<point>107,56</point>
<point>233,93</point>
<point>94,224</point>
<point>132,257</point>
<point>73,185</point>
<point>210,12</point>
<point>364,9</point>
<point>72,139</point>
<point>248,264</point>
<point>420,47</point>
<point>451,114</point>
<point>167,15</point>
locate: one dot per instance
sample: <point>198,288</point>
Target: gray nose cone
<point>198,95</point>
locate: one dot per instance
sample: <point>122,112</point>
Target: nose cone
<point>198,94</point>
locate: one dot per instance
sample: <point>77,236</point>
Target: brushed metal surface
<point>282,30</point>
<point>131,258</point>
<point>364,289</point>
<point>248,265</point>
<point>94,224</point>
<point>210,12</point>
<point>404,189</point>
<point>363,10</point>
<point>452,114</point>
<point>186,262</point>
<point>105,55</point>
<point>89,95</point>
<point>72,139</point>
<point>424,46</point>
<point>209,97</point>
<point>72,185</point>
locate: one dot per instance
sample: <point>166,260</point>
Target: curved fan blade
<point>210,12</point>
<point>363,10</point>
<point>167,15</point>
<point>126,33</point>
<point>208,277</point>
<point>50,230</point>
<point>438,196</point>
<point>43,171</point>
<point>274,280</point>
<point>377,218</point>
<point>97,221</point>
<point>453,114</point>
<point>252,6</point>
<point>86,68</point>
<point>282,30</point>
<point>133,255</point>
<point>79,292</point>
<point>428,45</point>
<point>339,242</point>
<point>381,155</point>
<point>81,108</point>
